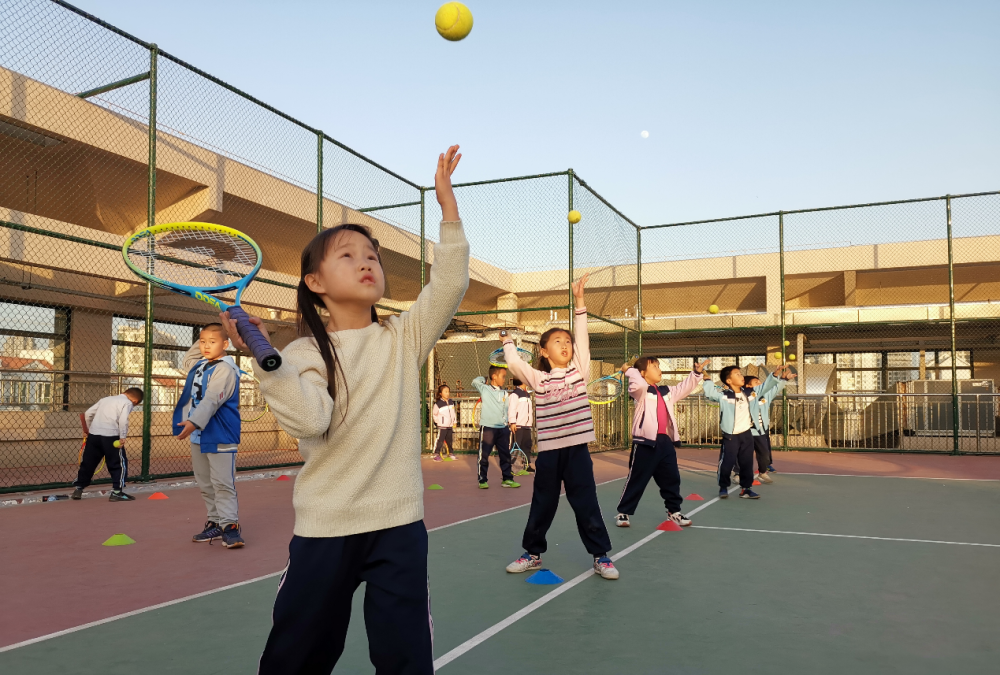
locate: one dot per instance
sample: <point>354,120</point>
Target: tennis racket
<point>83,446</point>
<point>605,390</point>
<point>518,459</point>
<point>497,358</point>
<point>202,260</point>
<point>257,407</point>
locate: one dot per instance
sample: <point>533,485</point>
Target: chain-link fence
<point>889,311</point>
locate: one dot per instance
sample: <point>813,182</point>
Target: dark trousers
<point>525,440</point>
<point>490,437</point>
<point>737,450</point>
<point>762,448</point>
<point>313,607</point>
<point>658,462</point>
<point>96,449</point>
<point>573,468</point>
<point>445,436</point>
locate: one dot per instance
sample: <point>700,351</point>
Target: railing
<point>863,421</point>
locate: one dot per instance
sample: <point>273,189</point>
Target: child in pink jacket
<point>654,432</point>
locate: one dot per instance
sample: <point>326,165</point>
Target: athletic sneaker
<point>231,536</point>
<point>77,494</point>
<point>605,567</point>
<point>621,520</point>
<point>510,483</point>
<point>436,458</point>
<point>119,496</point>
<point>770,468</point>
<point>525,563</point>
<point>452,458</point>
<point>211,532</point>
<point>747,493</point>
<point>723,493</point>
<point>680,518</point>
<point>529,469</point>
<point>484,485</point>
<point>764,478</point>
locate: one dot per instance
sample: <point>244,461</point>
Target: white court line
<point>848,536</point>
<point>545,599</point>
<point>856,475</point>
<point>143,610</point>
<point>135,612</point>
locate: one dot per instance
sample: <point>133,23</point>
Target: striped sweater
<point>562,411</point>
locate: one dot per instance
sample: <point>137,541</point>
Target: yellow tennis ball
<point>787,343</point>
<point>117,444</point>
<point>791,357</point>
<point>453,21</point>
<point>713,309</point>
<point>574,216</point>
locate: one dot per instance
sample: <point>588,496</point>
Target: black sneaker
<point>211,532</point>
<point>120,497</point>
<point>231,536</point>
<point>723,493</point>
<point>530,469</point>
<point>77,494</point>
<point>747,493</point>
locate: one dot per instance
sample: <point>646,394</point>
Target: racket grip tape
<point>266,355</point>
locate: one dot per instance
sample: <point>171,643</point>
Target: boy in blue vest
<point>737,403</point>
<point>493,429</point>
<point>208,413</point>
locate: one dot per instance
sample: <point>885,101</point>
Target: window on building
<point>34,355</point>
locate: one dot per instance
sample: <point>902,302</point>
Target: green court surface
<point>763,596</point>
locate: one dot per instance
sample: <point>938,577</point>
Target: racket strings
<point>205,258</point>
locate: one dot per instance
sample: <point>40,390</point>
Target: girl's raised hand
<point>700,367</point>
<point>578,289</point>
<point>447,163</point>
<point>234,334</point>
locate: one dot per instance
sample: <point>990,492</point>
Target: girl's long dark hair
<point>308,304</point>
<point>543,363</point>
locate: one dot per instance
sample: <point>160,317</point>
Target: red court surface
<point>57,574</point>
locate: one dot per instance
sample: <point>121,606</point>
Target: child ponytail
<point>308,305</point>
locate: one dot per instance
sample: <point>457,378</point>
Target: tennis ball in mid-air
<point>713,309</point>
<point>787,343</point>
<point>453,21</point>
<point>791,357</point>
<point>574,216</point>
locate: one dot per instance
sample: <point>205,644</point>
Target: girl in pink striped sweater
<point>564,426</point>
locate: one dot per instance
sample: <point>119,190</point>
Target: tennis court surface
<point>894,570</point>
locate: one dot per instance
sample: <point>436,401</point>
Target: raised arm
<point>520,369</point>
<point>191,357</point>
<point>637,385</point>
<point>296,393</point>
<point>437,303</point>
<point>684,388</point>
<point>712,391</point>
<point>581,337</point>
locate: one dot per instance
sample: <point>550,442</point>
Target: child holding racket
<point>107,427</point>
<point>444,419</point>
<point>654,433</point>
<point>359,497</point>
<point>208,413</point>
<point>564,426</point>
<point>521,420</point>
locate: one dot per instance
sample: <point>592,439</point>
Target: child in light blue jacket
<point>739,415</point>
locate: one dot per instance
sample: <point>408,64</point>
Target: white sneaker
<point>605,568</point>
<point>680,519</point>
<point>622,520</point>
<point>764,478</point>
<point>525,563</point>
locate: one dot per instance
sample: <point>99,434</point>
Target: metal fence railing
<point>102,133</point>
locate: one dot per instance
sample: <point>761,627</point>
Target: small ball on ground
<point>453,21</point>
<point>574,216</point>
<point>713,309</point>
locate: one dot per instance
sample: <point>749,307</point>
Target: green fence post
<point>638,286</point>
<point>781,272</point>
<point>319,182</point>
<point>147,362</point>
<point>572,306</point>
<point>955,421</point>
<point>424,426</point>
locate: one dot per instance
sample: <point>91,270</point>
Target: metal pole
<point>147,371</point>
<point>572,306</point>
<point>956,423</point>
<point>638,285</point>
<point>319,182</point>
<point>781,264</point>
<point>424,425</point>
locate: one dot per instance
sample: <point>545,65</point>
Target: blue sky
<point>750,107</point>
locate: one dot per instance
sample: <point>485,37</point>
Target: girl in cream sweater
<point>359,497</point>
